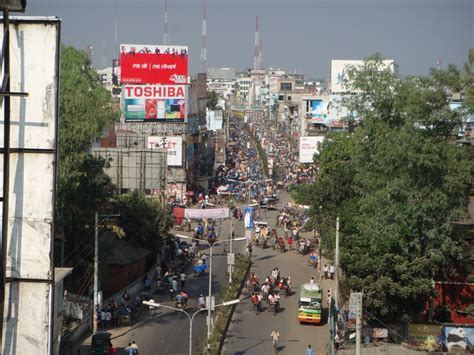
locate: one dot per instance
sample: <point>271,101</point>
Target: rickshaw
<point>313,259</point>
<point>100,343</point>
<point>199,269</point>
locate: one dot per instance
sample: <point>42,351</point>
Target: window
<point>285,86</point>
<point>281,97</point>
<point>289,98</point>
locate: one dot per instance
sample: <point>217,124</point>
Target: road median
<point>224,314</point>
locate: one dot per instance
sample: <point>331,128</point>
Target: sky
<point>297,35</point>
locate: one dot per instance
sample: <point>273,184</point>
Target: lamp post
<point>190,317</point>
<point>210,277</point>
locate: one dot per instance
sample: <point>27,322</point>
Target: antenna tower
<point>256,60</point>
<point>165,32</point>
<point>204,40</point>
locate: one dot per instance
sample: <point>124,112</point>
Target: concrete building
<point>226,74</point>
<point>224,88</point>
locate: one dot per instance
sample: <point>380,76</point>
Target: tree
<point>212,100</point>
<point>144,221</point>
<point>86,110</point>
<point>398,184</point>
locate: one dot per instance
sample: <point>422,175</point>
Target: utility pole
<point>336,293</point>
<point>231,266</point>
<point>96,274</point>
<point>96,269</point>
<point>359,323</point>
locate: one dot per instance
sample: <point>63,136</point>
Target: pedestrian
<point>275,337</point>
<point>158,272</point>
<point>311,281</point>
<point>202,301</point>
<point>249,249</point>
<point>174,284</point>
<point>126,296</point>
<point>112,350</point>
<point>204,258</point>
<point>147,283</point>
<point>129,350</point>
<point>182,279</point>
<point>134,346</point>
<point>103,322</point>
<point>332,271</point>
<point>108,318</point>
<point>309,350</point>
<point>290,242</point>
<point>326,271</point>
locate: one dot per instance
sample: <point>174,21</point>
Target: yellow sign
<point>419,333</point>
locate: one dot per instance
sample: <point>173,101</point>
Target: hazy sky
<point>301,35</point>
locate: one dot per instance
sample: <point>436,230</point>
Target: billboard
<point>319,111</point>
<point>29,288</point>
<point>149,64</point>
<point>154,103</point>
<point>339,70</point>
<point>308,147</point>
<point>173,145</point>
<point>273,84</point>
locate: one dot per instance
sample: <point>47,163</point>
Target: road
<point>168,331</point>
<point>250,333</point>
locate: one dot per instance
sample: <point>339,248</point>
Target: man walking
<point>309,350</point>
<point>326,271</point>
<point>332,271</point>
<point>275,337</point>
<point>182,279</point>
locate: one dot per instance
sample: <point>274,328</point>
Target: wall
<point>120,276</point>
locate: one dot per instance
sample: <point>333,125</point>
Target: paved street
<point>168,331</point>
<point>250,333</point>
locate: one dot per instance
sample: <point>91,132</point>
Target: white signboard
<point>230,258</point>
<point>308,147</point>
<point>339,73</point>
<point>174,146</point>
<point>34,69</point>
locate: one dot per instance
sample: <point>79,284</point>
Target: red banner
<point>153,64</point>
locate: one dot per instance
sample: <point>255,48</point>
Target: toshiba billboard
<point>154,103</point>
<point>149,64</point>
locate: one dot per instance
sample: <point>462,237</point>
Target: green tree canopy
<point>85,111</point>
<point>397,183</point>
<point>212,100</point>
<point>143,220</point>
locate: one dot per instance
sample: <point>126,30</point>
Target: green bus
<point>310,303</point>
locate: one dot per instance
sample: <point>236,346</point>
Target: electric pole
<point>336,295</point>
<point>359,323</point>
<point>96,273</point>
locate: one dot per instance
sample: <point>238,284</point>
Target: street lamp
<point>190,317</point>
<point>210,275</point>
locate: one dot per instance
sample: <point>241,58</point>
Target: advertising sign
<point>273,84</point>
<point>173,145</point>
<point>308,147</point>
<point>29,325</point>
<point>339,69</point>
<point>154,103</point>
<point>319,111</point>
<point>149,64</point>
<point>248,217</point>
<point>419,333</point>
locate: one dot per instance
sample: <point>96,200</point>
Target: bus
<point>310,303</point>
